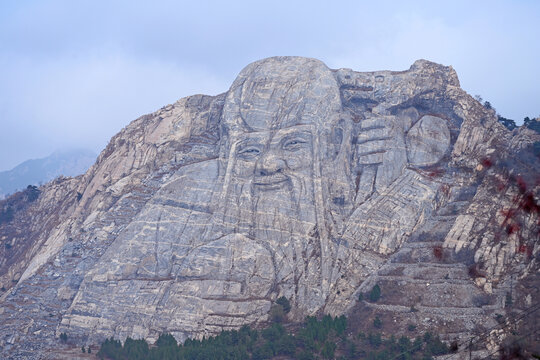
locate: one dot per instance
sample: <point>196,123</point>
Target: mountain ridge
<point>42,170</point>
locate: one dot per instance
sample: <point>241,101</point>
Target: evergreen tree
<point>328,350</point>
<point>508,123</point>
<point>63,337</point>
<point>165,340</point>
<point>377,322</point>
<point>375,293</point>
<point>533,124</point>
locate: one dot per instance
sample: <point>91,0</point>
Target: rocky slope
<point>299,181</point>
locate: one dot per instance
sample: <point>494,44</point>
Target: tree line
<point>316,338</point>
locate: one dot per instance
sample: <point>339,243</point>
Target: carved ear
<point>427,141</point>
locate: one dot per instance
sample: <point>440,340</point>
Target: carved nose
<point>269,165</point>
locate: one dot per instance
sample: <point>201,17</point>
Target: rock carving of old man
<point>300,202</point>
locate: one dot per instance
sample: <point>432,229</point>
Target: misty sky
<point>73,73</point>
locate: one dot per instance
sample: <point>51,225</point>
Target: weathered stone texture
<point>299,181</point>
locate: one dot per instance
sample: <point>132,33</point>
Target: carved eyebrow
<point>304,135</point>
<point>249,142</point>
<point>299,127</point>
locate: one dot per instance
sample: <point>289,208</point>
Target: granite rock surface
<point>299,181</point>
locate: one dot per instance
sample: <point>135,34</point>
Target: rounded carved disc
<point>427,141</point>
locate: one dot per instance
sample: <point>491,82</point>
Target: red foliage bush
<point>438,252</point>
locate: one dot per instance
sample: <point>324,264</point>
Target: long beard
<point>278,215</point>
<point>284,221</point>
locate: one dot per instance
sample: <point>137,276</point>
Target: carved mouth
<point>270,182</point>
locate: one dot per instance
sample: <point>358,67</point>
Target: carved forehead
<point>281,92</point>
<point>274,136</point>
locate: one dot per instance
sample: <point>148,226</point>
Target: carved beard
<point>283,220</point>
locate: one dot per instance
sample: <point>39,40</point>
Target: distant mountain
<point>36,171</point>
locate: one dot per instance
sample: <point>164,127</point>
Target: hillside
<point>300,181</point>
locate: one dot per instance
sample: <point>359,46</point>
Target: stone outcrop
<point>300,181</point>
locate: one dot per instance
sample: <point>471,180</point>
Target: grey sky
<point>73,73</point>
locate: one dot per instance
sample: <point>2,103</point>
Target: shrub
<point>284,302</point>
<point>475,270</point>
<point>277,314</point>
<point>377,323</point>
<point>438,252</point>
<point>328,350</point>
<point>375,340</point>
<point>508,300</point>
<point>32,193</point>
<point>375,293</point>
<point>404,343</point>
<point>434,345</point>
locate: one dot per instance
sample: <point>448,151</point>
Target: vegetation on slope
<point>325,338</point>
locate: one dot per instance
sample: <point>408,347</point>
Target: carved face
<point>272,158</point>
<point>276,121</point>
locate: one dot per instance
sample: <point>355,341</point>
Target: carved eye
<point>294,144</point>
<point>249,151</point>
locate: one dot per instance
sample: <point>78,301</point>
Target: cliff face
<point>299,181</point>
